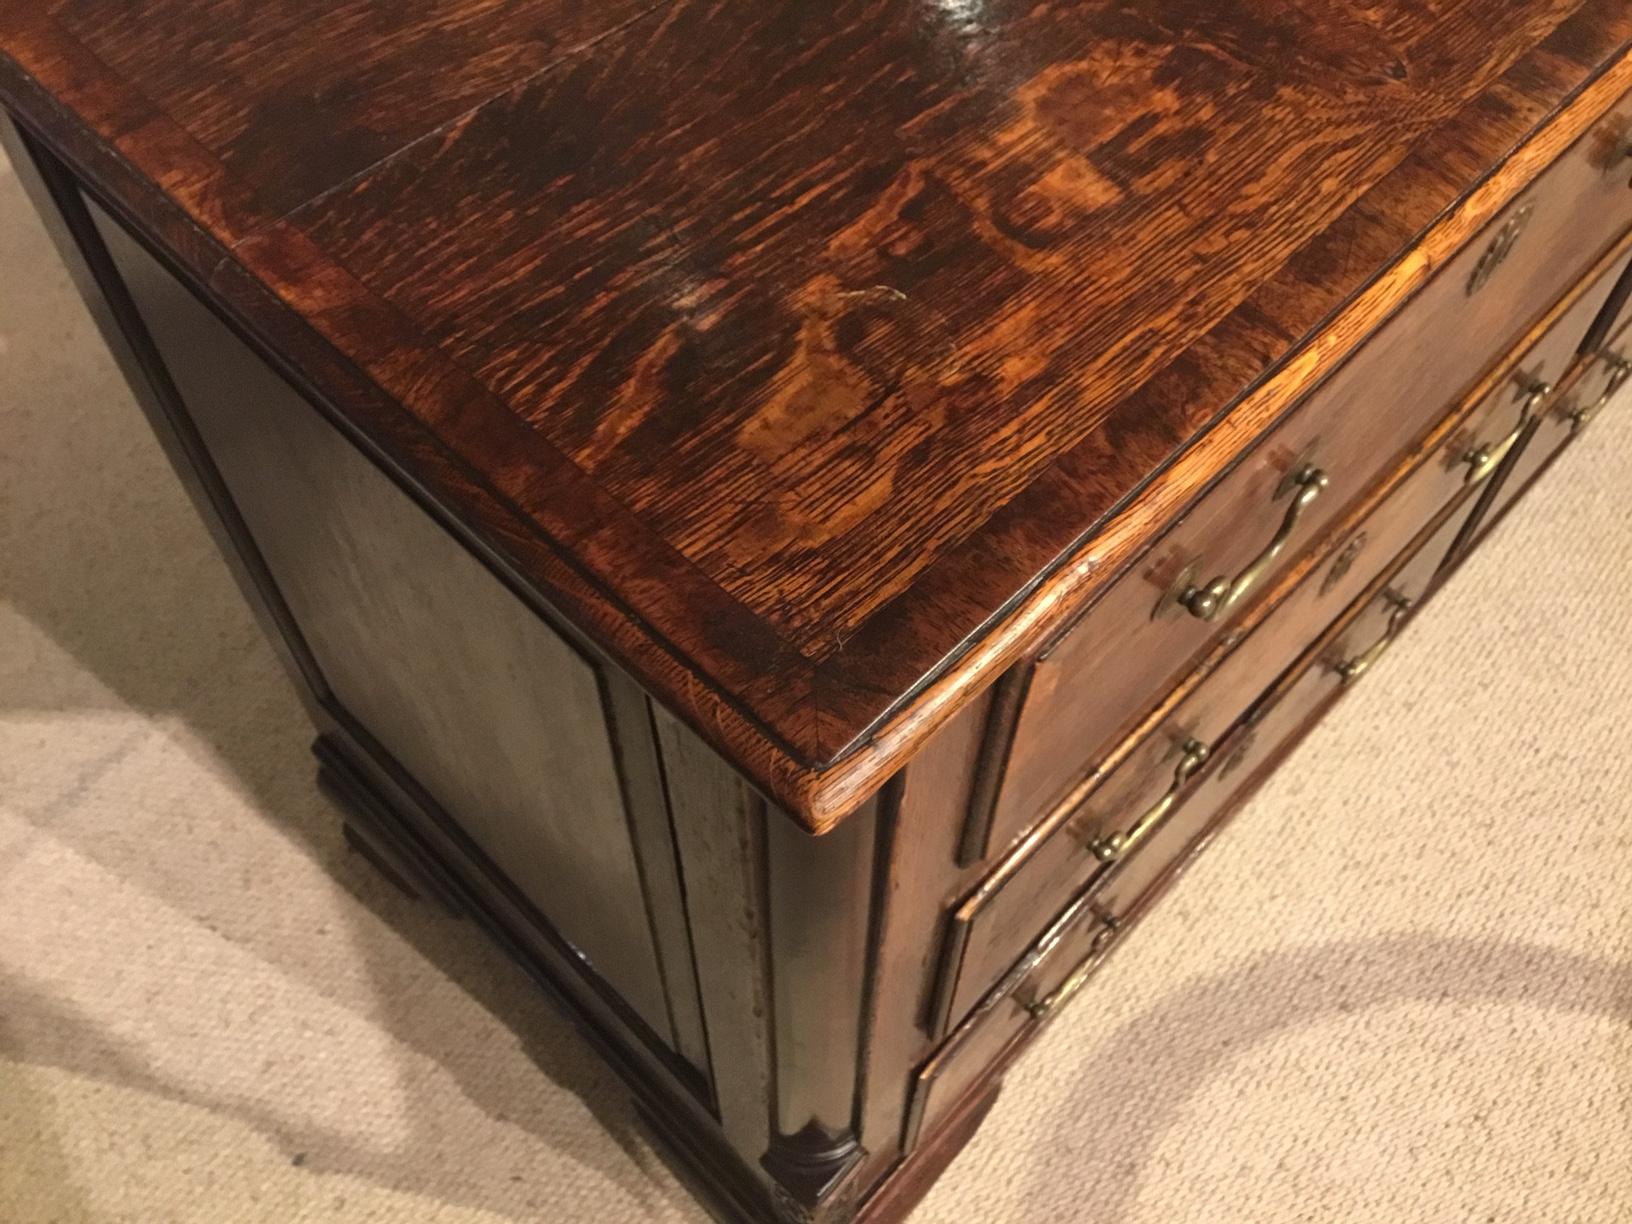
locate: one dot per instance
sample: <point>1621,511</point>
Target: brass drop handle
<point>1221,594</point>
<point>1042,1009</point>
<point>1620,369</point>
<point>1112,846</point>
<point>1351,670</point>
<point>1484,459</point>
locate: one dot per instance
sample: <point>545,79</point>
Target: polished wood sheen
<point>769,506</point>
<point>799,355</point>
<point>1134,641</point>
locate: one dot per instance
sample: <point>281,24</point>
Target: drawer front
<point>1459,465</point>
<point>1606,386</point>
<point>1602,387</point>
<point>991,927</point>
<point>1249,749</point>
<point>1072,948</point>
<point>1053,968</point>
<point>1252,746</point>
<point>1097,679</point>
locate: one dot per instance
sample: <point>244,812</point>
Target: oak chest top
<point>812,360</point>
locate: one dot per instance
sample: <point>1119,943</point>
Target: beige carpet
<point>1397,989</point>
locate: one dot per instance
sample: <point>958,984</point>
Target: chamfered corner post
<point>782,929</point>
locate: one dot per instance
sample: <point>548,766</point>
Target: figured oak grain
<point>296,97</point>
<point>791,353</point>
<point>810,349</point>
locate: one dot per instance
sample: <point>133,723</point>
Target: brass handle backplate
<point>1620,369</point>
<point>1112,846</point>
<point>1210,601</point>
<point>1351,670</point>
<point>1042,1009</point>
<point>1484,458</point>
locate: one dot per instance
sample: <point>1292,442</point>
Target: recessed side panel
<point>499,718</point>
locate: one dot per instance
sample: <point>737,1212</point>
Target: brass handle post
<point>1217,597</point>
<point>1112,846</point>
<point>1351,670</point>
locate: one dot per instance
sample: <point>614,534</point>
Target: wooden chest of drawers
<point>799,520</point>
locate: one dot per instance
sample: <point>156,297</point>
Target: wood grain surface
<point>813,362</point>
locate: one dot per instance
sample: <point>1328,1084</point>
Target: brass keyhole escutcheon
<point>1501,246</point>
<point>1344,561</point>
<point>1618,160</point>
<point>1240,753</point>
